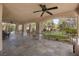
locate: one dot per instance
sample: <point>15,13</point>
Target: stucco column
<point>0,27</point>
<point>17,28</point>
<point>77,40</point>
<point>29,32</point>
<point>76,46</point>
<point>22,29</point>
<point>25,33</point>
<point>39,28</point>
<point>29,28</point>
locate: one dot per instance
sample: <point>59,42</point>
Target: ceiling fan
<point>45,9</point>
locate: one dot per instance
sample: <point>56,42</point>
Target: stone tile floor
<point>27,46</point>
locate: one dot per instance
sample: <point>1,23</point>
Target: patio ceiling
<point>23,12</point>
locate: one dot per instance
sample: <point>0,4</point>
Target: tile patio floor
<point>27,46</point>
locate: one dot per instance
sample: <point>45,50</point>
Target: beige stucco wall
<point>0,27</point>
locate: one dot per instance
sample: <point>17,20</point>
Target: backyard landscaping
<point>61,31</point>
<point>58,36</point>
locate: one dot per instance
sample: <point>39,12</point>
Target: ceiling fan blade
<point>37,11</point>
<point>49,12</point>
<point>42,14</point>
<point>52,8</point>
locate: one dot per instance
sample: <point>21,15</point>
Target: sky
<point>55,21</point>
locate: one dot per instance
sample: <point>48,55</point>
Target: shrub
<point>71,31</point>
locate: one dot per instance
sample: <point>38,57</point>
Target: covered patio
<point>21,43</point>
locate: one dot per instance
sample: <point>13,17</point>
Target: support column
<point>76,46</point>
<point>17,28</point>
<point>29,31</point>
<point>78,24</point>
<point>22,29</point>
<point>77,40</point>
<point>25,33</point>
<point>29,28</point>
<point>39,28</point>
<point>37,31</point>
<point>0,27</point>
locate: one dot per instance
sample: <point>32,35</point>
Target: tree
<point>63,25</point>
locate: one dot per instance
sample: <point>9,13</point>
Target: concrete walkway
<point>27,46</point>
